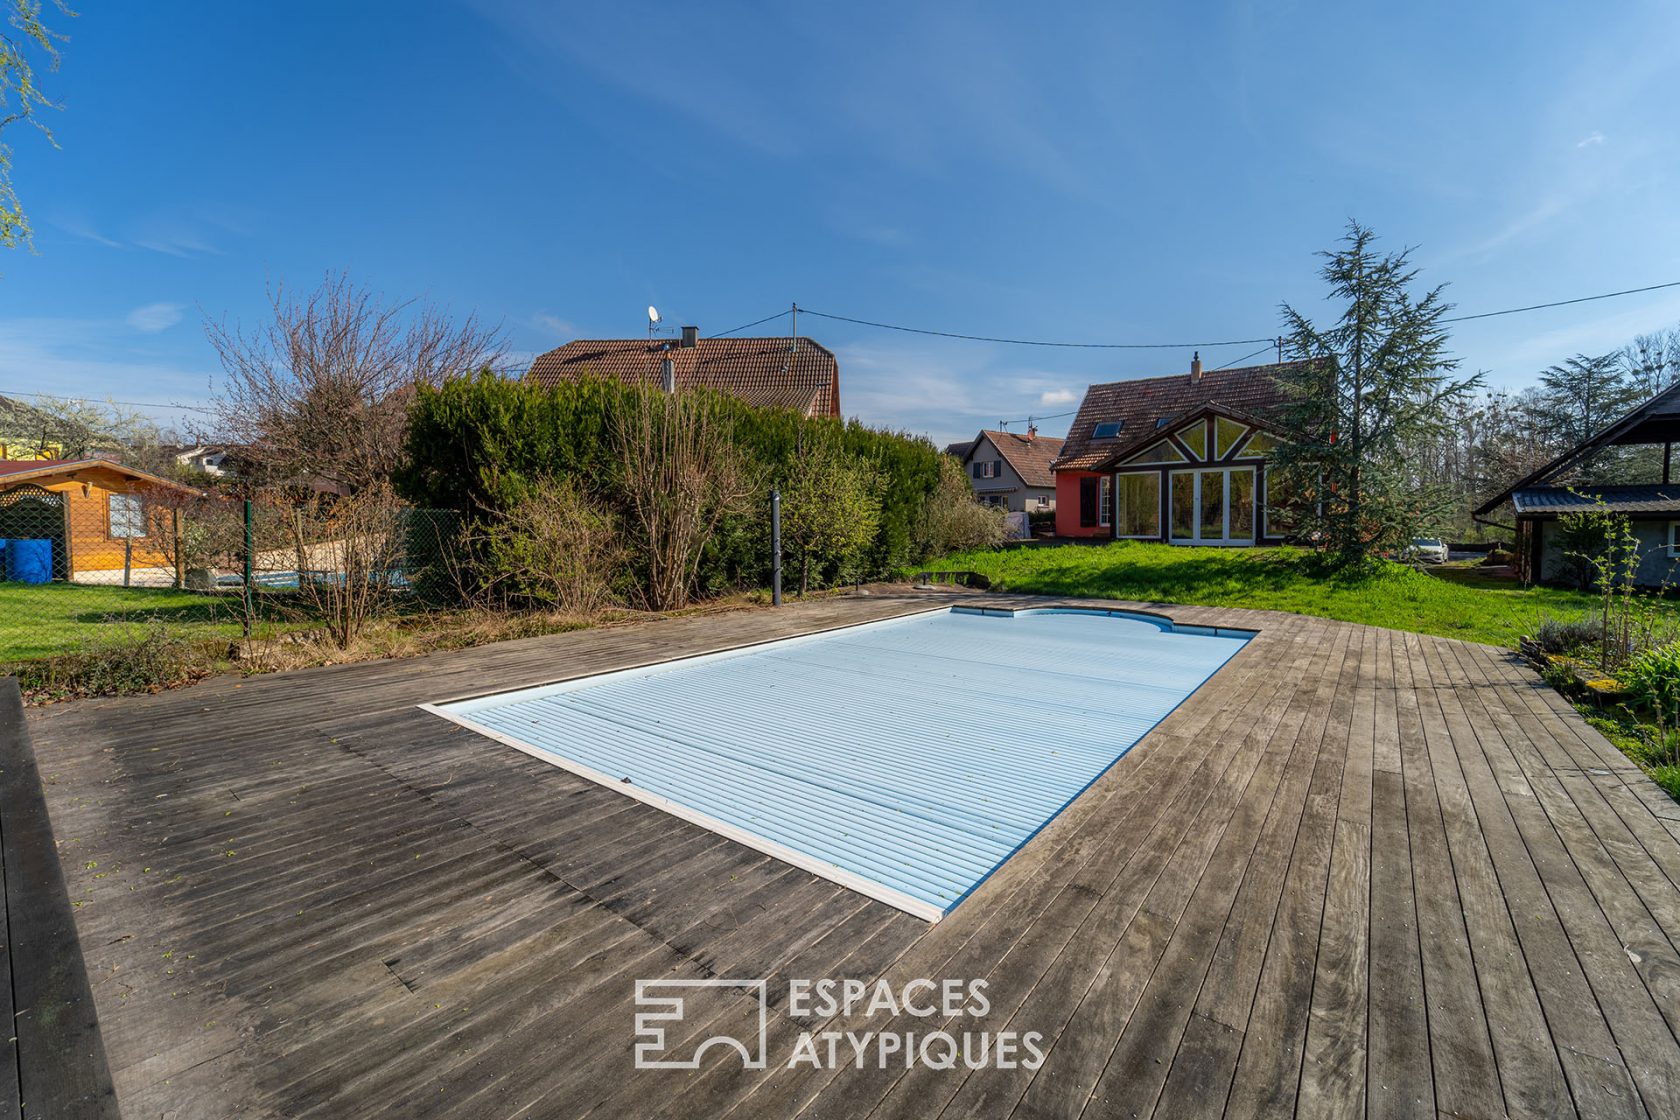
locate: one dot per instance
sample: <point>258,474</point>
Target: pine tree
<point>1359,393</point>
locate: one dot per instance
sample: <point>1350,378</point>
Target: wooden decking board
<point>1266,1080</point>
<point>1635,1022</point>
<point>1460,1048</point>
<point>1529,1067</point>
<point>1358,870</point>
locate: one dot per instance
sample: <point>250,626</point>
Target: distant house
<point>1543,497</point>
<point>1011,470</point>
<point>794,373</point>
<point>1180,459</point>
<point>215,460</point>
<point>101,517</point>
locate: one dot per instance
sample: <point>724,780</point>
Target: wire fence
<point>82,567</point>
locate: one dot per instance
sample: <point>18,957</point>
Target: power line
<point>1036,342</point>
<point>1562,302</point>
<point>125,404</point>
<point>1199,345</point>
<point>754,323</point>
<point>1245,357</point>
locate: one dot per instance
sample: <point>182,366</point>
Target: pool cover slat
<point>907,759</point>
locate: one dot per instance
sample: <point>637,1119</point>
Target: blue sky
<point>1113,173</point>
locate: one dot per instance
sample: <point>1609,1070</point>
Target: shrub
<point>953,521</point>
<point>553,549</point>
<point>476,445</point>
<point>1652,677</point>
<point>144,658</point>
<point>1566,635</point>
<point>831,511</point>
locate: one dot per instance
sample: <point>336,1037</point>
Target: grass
<point>1636,740</point>
<point>41,619</point>
<point>1457,603</point>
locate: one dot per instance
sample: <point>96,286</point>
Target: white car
<point>1430,550</point>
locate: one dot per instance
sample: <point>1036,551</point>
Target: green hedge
<point>476,444</point>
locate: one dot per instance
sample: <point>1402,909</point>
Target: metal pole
<point>775,547</point>
<point>249,600</point>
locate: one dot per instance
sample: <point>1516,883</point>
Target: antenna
<point>653,321</point>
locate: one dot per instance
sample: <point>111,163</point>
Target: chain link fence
<point>85,571</point>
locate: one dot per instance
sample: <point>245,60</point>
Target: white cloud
<point>553,324</point>
<point>155,317</point>
<point>1057,396</point>
<point>1595,138</point>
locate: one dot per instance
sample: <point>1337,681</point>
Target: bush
<point>553,549</point>
<point>477,445</point>
<point>1652,678</point>
<point>953,521</point>
<point>1566,635</point>
<point>145,658</point>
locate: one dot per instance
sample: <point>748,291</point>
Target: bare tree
<point>680,476</point>
<point>348,575</point>
<point>321,391</point>
<point>1652,361</point>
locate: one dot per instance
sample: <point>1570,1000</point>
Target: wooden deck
<point>1359,872</point>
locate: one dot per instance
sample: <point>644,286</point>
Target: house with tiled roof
<point>1180,459</point>
<point>786,372</point>
<point>1012,469</point>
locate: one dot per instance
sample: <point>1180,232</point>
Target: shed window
<point>1673,539</point>
<point>127,516</point>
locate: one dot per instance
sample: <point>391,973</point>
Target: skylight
<point>1108,429</point>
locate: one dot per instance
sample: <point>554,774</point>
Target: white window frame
<point>1673,542</point>
<point>1224,540</point>
<point>1105,501</point>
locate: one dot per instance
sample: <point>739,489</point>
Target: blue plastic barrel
<point>29,561</point>
<point>3,543</point>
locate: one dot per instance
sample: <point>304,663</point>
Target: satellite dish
<point>653,314</point>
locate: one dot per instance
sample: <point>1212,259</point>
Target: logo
<point>651,1025</point>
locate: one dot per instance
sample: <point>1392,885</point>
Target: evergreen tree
<point>1360,393</point>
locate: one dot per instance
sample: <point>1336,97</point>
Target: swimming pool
<point>906,759</point>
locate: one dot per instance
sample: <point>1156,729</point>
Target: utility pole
<point>794,343</point>
<point>1280,349</point>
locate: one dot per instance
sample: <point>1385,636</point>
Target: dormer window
<point>1108,429</point>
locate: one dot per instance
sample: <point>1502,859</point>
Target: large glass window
<point>1140,504</point>
<point>1242,506</point>
<point>1213,506</point>
<point>1162,452</point>
<point>1183,506</point>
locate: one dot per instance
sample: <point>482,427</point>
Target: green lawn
<point>36,620</point>
<point>1456,603</point>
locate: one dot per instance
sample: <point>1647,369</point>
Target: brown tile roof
<point>1030,458</point>
<point>761,371</point>
<point>1139,404</point>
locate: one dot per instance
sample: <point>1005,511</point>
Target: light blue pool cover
<point>906,759</point>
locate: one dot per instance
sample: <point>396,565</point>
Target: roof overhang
<point>1655,421</point>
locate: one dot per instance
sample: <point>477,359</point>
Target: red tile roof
<point>1030,457</point>
<point>761,371</point>
<point>1140,404</point>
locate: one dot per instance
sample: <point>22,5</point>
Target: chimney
<point>1196,366</point>
<point>1032,432</point>
<point>690,335</point>
<point>667,375</point>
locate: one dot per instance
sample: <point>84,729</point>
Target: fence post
<point>775,547</point>
<point>180,561</point>
<point>250,600</point>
